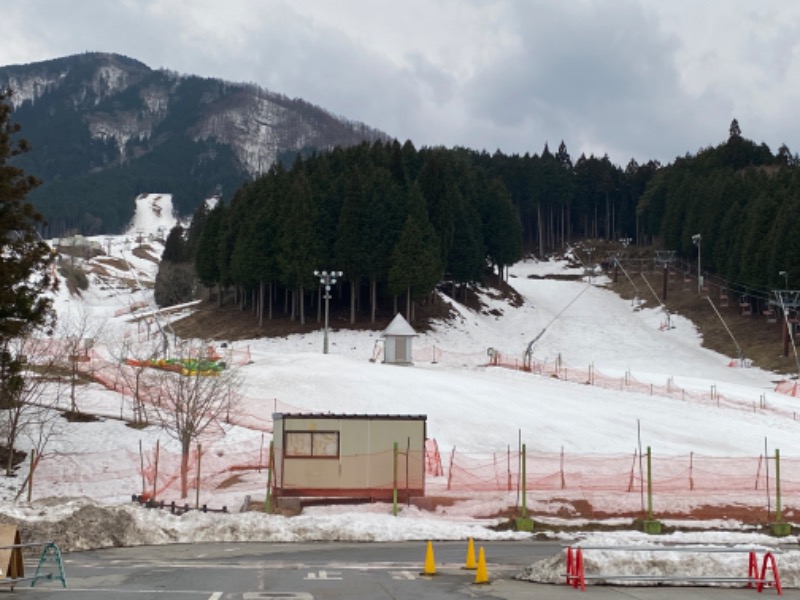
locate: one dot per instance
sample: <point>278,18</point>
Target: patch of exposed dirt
<point>79,417</point>
<point>146,252</point>
<point>99,270</point>
<point>558,277</point>
<point>230,323</point>
<point>118,263</point>
<point>230,482</point>
<point>585,517</point>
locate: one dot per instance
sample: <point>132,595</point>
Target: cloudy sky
<point>646,79</point>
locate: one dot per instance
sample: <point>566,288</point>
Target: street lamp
<point>785,279</point>
<point>696,239</point>
<point>327,279</point>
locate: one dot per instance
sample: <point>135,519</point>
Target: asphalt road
<point>330,571</point>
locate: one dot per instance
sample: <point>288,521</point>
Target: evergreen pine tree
<point>415,264</point>
<point>205,258</point>
<point>24,259</point>
<point>175,246</point>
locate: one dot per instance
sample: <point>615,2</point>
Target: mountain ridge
<point>90,115</point>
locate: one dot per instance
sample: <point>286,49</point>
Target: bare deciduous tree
<point>193,401</point>
<point>79,330</point>
<point>30,397</point>
<point>133,355</point>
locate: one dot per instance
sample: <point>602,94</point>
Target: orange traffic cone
<point>481,576</point>
<point>430,563</point>
<point>471,564</point>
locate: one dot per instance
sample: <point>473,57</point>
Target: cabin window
<point>312,444</point>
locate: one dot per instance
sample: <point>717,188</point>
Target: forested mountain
<point>398,221</point>
<point>104,128</point>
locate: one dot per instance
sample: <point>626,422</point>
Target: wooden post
<point>450,469</point>
<point>649,488</point>
<point>30,474</point>
<point>524,484</point>
<point>197,479</point>
<point>141,467</point>
<point>268,498</point>
<point>394,479</point>
<point>155,472</point>
<point>777,486</point>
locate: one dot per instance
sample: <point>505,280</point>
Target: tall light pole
<point>785,279</point>
<point>327,279</point>
<point>696,240</point>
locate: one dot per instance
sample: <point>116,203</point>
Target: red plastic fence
<point>576,575</point>
<point>685,477</point>
<point>433,460</point>
<point>610,484</point>
<point>590,375</point>
<point>618,473</point>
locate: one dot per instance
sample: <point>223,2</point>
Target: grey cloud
<point>604,73</point>
<point>602,76</point>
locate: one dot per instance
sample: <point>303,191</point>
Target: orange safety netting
<point>788,387</point>
<point>613,483</point>
<point>435,354</point>
<point>617,472</point>
<point>118,475</point>
<point>628,383</point>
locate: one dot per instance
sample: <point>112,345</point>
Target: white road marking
<point>324,575</point>
<point>405,575</point>
<point>277,595</point>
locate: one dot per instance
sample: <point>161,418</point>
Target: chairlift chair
<point>745,307</point>
<point>723,297</point>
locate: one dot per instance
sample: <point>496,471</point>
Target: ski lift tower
<point>589,269</point>
<point>697,240</point>
<point>664,258</point>
<point>788,301</point>
<point>625,243</point>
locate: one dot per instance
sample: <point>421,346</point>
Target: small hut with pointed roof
<point>398,337</point>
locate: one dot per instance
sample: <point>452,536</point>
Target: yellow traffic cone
<point>471,564</point>
<point>481,576</point>
<point>430,563</point>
